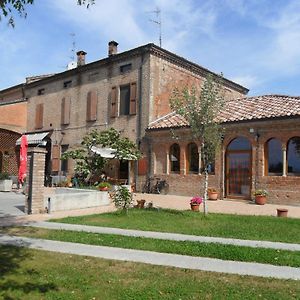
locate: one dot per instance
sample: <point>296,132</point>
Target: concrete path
<point>168,236</point>
<point>239,207</point>
<point>11,204</point>
<point>155,258</point>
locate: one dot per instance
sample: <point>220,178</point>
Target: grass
<point>34,274</point>
<point>225,252</point>
<point>188,222</point>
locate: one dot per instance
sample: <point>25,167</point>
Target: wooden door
<point>238,174</point>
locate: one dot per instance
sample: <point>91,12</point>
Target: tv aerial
<point>158,22</point>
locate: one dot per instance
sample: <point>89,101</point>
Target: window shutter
<point>142,166</point>
<point>55,158</point>
<point>39,111</point>
<point>65,111</point>
<point>132,109</point>
<point>113,111</point>
<point>91,109</point>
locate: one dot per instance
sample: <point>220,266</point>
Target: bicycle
<point>160,186</point>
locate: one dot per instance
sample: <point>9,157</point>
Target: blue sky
<point>253,42</point>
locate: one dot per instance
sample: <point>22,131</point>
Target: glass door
<point>238,175</point>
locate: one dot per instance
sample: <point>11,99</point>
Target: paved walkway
<point>12,204</point>
<point>168,236</point>
<point>155,258</point>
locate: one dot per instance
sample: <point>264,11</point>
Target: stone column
<point>34,203</point>
<point>200,160</point>
<point>284,160</point>
<point>183,170</point>
<point>168,162</point>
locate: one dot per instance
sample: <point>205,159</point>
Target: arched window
<point>239,144</point>
<point>193,158</point>
<point>273,155</point>
<point>175,158</point>
<point>293,156</point>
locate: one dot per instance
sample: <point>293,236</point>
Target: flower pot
<point>141,203</point>
<point>104,189</point>
<point>195,207</point>
<point>260,200</point>
<point>6,185</point>
<point>213,196</point>
<point>282,212</point>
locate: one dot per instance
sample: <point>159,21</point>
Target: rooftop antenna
<point>73,49</point>
<point>157,21</point>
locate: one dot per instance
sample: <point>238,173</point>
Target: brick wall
<point>166,76</point>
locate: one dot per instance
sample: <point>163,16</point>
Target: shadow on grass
<point>18,276</point>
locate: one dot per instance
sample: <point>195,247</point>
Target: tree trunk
<point>205,208</point>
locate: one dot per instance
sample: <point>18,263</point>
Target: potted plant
<point>195,203</point>
<point>5,183</point>
<point>212,194</point>
<point>260,196</point>
<point>140,203</point>
<point>104,186</point>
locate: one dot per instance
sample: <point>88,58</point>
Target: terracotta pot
<point>282,212</point>
<point>260,200</point>
<point>141,203</point>
<point>195,207</point>
<point>104,189</point>
<point>213,196</point>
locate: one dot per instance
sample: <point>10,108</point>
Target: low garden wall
<point>58,199</point>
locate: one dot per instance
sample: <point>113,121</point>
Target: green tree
<point>201,111</point>
<point>88,163</point>
<point>9,7</point>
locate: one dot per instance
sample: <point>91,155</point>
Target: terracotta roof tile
<point>242,109</point>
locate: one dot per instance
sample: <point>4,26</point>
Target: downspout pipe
<point>139,115</point>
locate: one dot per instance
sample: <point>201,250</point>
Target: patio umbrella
<point>23,159</point>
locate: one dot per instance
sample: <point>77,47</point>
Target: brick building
<point>13,122</point>
<point>261,149</point>
<point>125,90</point>
<point>130,91</point>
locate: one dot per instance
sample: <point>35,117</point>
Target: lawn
<point>188,222</point>
<point>225,252</point>
<point>33,274</point>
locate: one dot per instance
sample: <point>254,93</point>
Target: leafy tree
<point>88,163</point>
<point>201,111</point>
<point>9,7</point>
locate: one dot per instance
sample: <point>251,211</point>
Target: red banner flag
<point>23,158</point>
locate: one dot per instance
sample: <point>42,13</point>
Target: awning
<point>34,138</point>
<point>104,152</point>
<point>110,153</point>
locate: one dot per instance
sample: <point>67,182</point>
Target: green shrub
<point>122,197</point>
<point>4,176</point>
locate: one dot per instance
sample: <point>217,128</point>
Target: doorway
<point>238,169</point>
<point>124,170</point>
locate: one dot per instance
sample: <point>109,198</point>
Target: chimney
<point>112,48</point>
<point>81,58</point>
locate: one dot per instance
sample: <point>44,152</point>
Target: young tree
<point>9,7</point>
<point>201,111</point>
<point>88,163</point>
